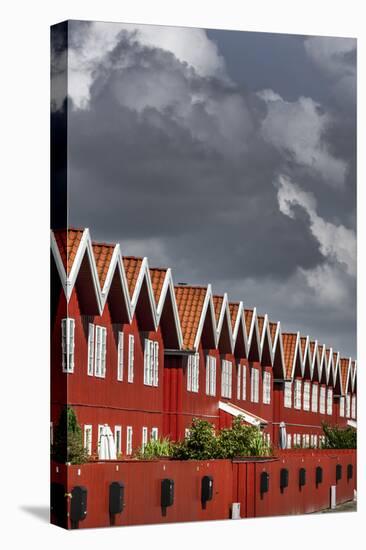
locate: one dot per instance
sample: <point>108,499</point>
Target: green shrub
<point>242,440</point>
<point>155,448</point>
<point>68,440</point>
<point>339,438</point>
<point>200,443</point>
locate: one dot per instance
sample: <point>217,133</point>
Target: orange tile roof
<point>68,244</point>
<point>289,345</point>
<point>190,302</point>
<point>157,275</point>
<point>234,308</point>
<point>103,254</point>
<point>273,330</point>
<point>248,313</point>
<point>303,345</point>
<point>344,372</point>
<point>260,319</point>
<point>132,268</point>
<point>217,301</point>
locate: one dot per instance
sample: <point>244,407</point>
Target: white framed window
<point>297,398</point>
<point>129,434</point>
<point>314,398</point>
<point>244,385</point>
<point>151,362</point>
<point>91,345</point>
<point>354,407</point>
<point>226,378</point>
<point>187,431</point>
<point>254,386</point>
<point>210,375</point>
<point>155,434</point>
<point>120,356</point>
<point>144,437</point>
<point>315,440</point>
<point>329,401</point>
<point>348,405</point>
<point>306,396</point>
<point>322,400</point>
<point>100,351</point>
<point>266,387</point>
<point>118,439</point>
<point>288,395</point>
<point>289,441</point>
<point>131,358</point>
<point>307,440</point>
<point>88,433</point>
<point>68,344</point>
<point>238,381</point>
<point>193,372</point>
<point>341,407</point>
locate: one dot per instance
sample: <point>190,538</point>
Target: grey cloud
<point>179,171</point>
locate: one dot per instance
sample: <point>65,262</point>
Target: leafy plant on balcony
<point>339,438</point>
<point>68,440</point>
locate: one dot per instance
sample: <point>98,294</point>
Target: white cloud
<point>336,242</point>
<point>90,44</point>
<point>336,59</point>
<point>297,128</point>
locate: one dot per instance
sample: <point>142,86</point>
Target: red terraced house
<point>108,340</point>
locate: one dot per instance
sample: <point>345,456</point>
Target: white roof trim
<point>240,321</point>
<point>168,286</point>
<point>352,423</point>
<point>297,351</point>
<point>225,311</point>
<point>278,341</point>
<point>254,327</point>
<point>208,303</point>
<point>144,274</point>
<point>237,411</point>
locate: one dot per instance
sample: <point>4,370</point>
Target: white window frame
<point>322,397</point>
<point>353,407</point>
<point>314,398</point>
<point>289,441</point>
<point>267,387</point>
<point>315,440</point>
<point>306,402</point>
<point>238,381</point>
<point>129,438</point>
<point>254,385</point>
<point>288,395</point>
<point>144,437</point>
<point>297,396</point>
<point>348,405</point>
<point>91,349</point>
<point>210,375</point>
<point>226,378</point>
<point>193,373</point>
<point>131,358</point>
<point>68,344</point>
<point>187,431</point>
<point>88,442</point>
<point>341,407</point>
<point>329,401</point>
<point>100,351</point>
<point>118,430</point>
<point>120,356</point>
<point>244,382</point>
<point>154,433</point>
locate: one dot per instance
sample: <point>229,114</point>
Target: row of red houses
<point>132,350</point>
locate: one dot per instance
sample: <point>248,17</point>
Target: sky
<point>228,156</point>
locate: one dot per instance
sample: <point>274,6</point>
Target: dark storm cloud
<point>174,164</point>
